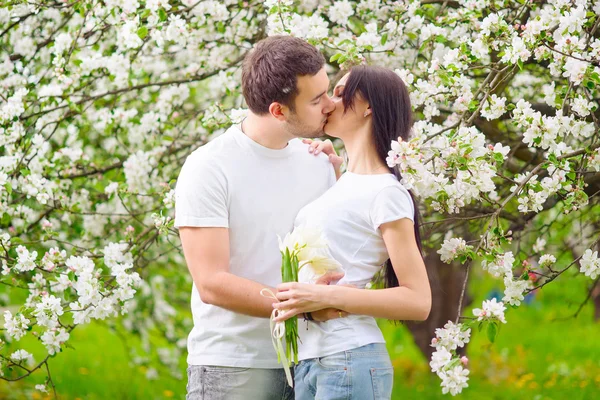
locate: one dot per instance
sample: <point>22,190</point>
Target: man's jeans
<point>232,383</point>
<point>364,373</point>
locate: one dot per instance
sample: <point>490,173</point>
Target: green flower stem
<point>289,273</point>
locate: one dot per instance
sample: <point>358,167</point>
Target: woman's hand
<point>297,298</point>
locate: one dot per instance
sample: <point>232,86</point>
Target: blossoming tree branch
<point>101,102</point>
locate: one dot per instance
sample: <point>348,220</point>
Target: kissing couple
<point>236,194</point>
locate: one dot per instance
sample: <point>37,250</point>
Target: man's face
<point>312,106</point>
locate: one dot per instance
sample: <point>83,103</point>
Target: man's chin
<point>328,131</point>
<point>314,134</point>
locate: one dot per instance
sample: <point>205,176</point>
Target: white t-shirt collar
<point>247,142</point>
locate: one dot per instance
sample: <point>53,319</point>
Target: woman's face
<point>342,123</point>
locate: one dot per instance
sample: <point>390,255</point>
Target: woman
<point>368,219</point>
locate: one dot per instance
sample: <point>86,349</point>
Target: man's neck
<point>265,131</point>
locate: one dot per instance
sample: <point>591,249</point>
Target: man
<point>234,196</point>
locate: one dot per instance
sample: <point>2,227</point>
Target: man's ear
<point>279,111</point>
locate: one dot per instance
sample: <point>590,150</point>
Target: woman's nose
<point>329,106</point>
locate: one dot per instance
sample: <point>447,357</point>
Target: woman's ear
<point>367,112</point>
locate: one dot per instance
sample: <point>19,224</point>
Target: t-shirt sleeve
<point>201,195</point>
<point>391,203</point>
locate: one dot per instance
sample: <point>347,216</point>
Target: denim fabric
<point>232,383</point>
<point>364,373</point>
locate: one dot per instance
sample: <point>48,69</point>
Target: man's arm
<point>206,253</point>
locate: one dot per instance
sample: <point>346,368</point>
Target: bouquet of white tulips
<point>302,251</point>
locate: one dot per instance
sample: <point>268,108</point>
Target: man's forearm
<point>237,294</point>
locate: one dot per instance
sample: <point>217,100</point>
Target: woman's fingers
<point>314,146</point>
<point>319,147</point>
<point>282,296</point>
<point>286,286</point>
<point>284,305</point>
<point>285,315</point>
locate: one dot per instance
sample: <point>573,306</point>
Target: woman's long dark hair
<point>392,118</point>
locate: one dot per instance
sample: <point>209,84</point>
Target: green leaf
<point>492,331</point>
<point>335,57</point>
<point>357,26</point>
<point>142,32</point>
<point>473,105</point>
<point>384,39</point>
<point>5,220</point>
<point>440,39</point>
<point>8,187</point>
<point>520,64</point>
<point>162,14</point>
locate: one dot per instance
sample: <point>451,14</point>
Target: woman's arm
<point>410,301</point>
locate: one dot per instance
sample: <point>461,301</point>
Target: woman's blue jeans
<point>364,373</point>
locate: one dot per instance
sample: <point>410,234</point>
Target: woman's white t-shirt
<point>349,215</point>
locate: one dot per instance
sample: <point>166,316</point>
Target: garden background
<point>101,101</point>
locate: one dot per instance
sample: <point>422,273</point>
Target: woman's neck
<point>362,156</point>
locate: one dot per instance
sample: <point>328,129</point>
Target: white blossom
<point>590,264</point>
<point>452,248</point>
<point>451,336</point>
<point>546,260</point>
<point>25,259</point>
<point>439,359</point>
<point>16,327</point>
<point>454,380</point>
<point>340,11</point>
<point>491,310</point>
<point>501,266</point>
<point>513,294</point>
<point>21,355</point>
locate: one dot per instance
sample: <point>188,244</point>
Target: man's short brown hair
<point>270,71</point>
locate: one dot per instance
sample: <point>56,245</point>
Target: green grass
<point>536,356</point>
<point>541,353</point>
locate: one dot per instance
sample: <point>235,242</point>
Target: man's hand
<point>328,313</point>
<point>317,146</point>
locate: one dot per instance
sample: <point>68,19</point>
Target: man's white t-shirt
<point>349,216</point>
<point>256,192</point>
